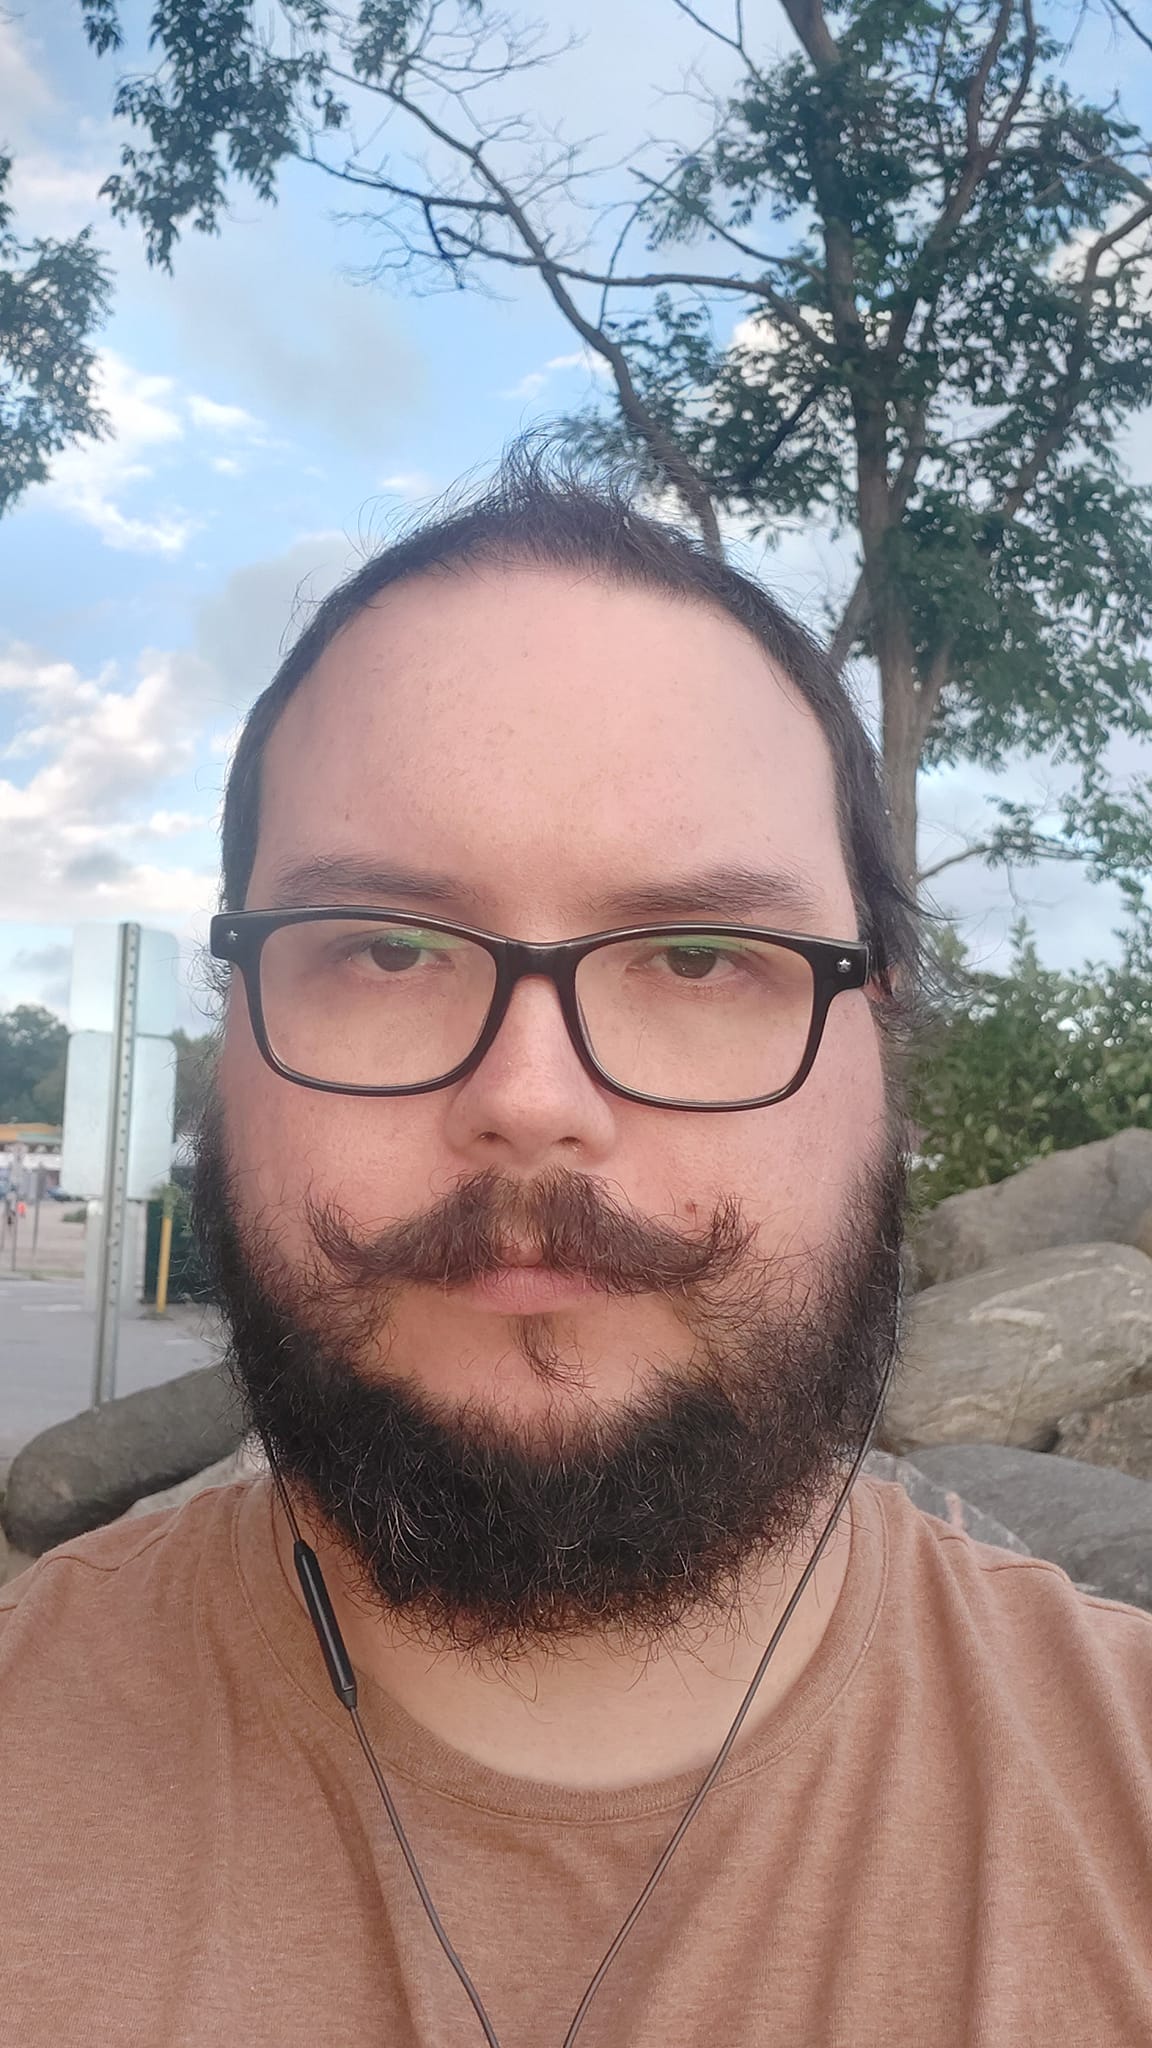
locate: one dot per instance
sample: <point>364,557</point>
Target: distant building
<point>34,1137</point>
<point>28,1153</point>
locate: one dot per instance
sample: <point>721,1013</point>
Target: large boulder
<point>242,1464</point>
<point>86,1471</point>
<point>1119,1435</point>
<point>1001,1355</point>
<point>1087,1195</point>
<point>1095,1524</point>
<point>937,1500</point>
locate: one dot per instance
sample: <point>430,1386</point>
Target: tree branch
<point>536,256</point>
<point>750,287</point>
<point>713,227</point>
<point>812,32</point>
<point>735,43</point>
<point>1037,846</point>
<point>669,458</point>
<point>1142,35</point>
<point>1073,382</point>
<point>978,160</point>
<point>852,618</point>
<point>931,684</point>
<point>1138,186</point>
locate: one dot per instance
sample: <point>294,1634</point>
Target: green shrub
<point>1031,1062</point>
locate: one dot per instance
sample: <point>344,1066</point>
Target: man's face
<point>552,742</point>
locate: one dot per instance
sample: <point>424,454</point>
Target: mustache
<point>572,1225</point>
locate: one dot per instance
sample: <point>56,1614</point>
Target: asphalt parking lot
<point>47,1338</point>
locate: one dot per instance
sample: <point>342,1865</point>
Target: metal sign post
<point>116,1166</point>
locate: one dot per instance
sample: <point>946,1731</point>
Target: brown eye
<point>392,953</point>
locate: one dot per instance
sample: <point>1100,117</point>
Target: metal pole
<point>15,1226</point>
<point>116,1166</point>
<point>36,1210</point>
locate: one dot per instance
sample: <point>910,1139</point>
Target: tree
<point>53,295</point>
<point>1032,1061</point>
<point>194,1063</point>
<point>33,1048</point>
<point>912,305</point>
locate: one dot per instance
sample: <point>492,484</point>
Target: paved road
<point>46,1344</point>
<point>58,1252</point>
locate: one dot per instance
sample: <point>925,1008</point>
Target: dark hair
<point>544,508</point>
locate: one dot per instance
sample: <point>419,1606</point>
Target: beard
<point>481,1534</point>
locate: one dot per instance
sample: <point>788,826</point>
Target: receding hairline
<point>505,556</point>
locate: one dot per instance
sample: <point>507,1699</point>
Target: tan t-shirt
<point>943,1835</point>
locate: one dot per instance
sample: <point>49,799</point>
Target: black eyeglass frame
<point>837,964</point>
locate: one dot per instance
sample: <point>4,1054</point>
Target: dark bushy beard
<point>484,1535</point>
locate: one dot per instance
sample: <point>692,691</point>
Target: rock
<point>86,1471</point>
<point>242,1464</point>
<point>1119,1435</point>
<point>1084,1196</point>
<point>12,1562</point>
<point>1095,1524</point>
<point>1000,1355</point>
<point>937,1500</point>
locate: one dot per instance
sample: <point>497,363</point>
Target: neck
<point>592,1715</point>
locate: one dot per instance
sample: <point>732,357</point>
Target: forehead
<point>545,736</point>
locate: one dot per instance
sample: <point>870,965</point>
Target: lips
<point>525,1287</point>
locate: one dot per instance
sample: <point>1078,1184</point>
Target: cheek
<point>286,1143</point>
<point>802,1159</point>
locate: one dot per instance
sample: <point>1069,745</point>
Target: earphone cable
<point>343,1681</point>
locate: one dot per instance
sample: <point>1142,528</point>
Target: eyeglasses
<point>682,1016</point>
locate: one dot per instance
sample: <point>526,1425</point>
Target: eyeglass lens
<point>701,1017</point>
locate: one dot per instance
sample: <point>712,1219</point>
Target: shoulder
<point>111,1670</point>
<point>132,1582</point>
<point>1022,1619</point>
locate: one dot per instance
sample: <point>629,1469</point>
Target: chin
<point>562,1367</point>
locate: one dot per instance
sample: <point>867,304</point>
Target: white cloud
<point>72,842</point>
<point>409,483</point>
<point>222,419</point>
<point>102,483</point>
<point>84,826</point>
<point>174,824</point>
<point>47,970</point>
<point>534,382</point>
<point>245,630</point>
<point>23,88</point>
<point>529,386</point>
<point>339,359</point>
<point>90,482</point>
<point>1073,918</point>
<point>581,359</point>
<point>53,197</point>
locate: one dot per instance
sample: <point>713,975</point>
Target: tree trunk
<point>902,739</point>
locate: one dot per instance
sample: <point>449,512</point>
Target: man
<point>562,1288</point>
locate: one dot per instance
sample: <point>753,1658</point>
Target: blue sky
<point>274,420</point>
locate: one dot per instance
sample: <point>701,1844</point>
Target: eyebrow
<point>731,890</point>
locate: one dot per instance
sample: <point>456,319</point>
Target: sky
<point>275,418</point>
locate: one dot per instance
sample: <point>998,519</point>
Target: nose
<point>531,1099</point>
